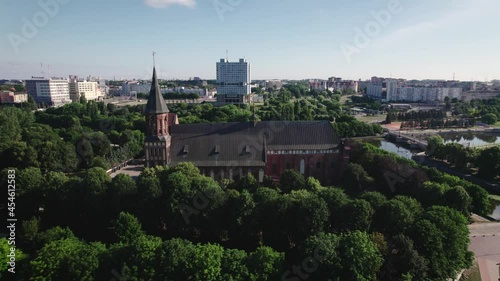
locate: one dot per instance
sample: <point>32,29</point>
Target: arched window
<point>302,166</point>
<point>261,175</point>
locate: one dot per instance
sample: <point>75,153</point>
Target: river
<point>472,139</point>
<point>391,147</point>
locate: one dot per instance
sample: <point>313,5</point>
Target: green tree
<point>128,228</point>
<point>67,259</point>
<point>490,118</point>
<point>458,199</point>
<point>434,145</point>
<point>233,265</point>
<point>265,264</point>
<point>356,179</point>
<point>402,261</point>
<point>488,162</point>
<point>5,259</point>
<point>96,180</point>
<point>376,199</point>
<point>441,236</point>
<point>205,262</point>
<point>291,180</point>
<point>358,256</point>
<point>357,215</point>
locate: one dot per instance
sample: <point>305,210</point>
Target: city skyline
<point>297,40</point>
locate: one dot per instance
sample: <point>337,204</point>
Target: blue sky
<point>289,39</point>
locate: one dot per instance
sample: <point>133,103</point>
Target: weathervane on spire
<point>154,53</point>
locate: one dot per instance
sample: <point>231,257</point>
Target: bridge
<point>413,141</point>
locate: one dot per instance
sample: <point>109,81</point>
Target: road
<point>132,170</point>
<point>124,102</point>
<point>485,243</point>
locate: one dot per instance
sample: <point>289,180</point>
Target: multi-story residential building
<point>184,90</point>
<point>51,91</point>
<point>337,84</point>
<point>392,86</point>
<point>479,95</point>
<point>134,87</point>
<point>274,84</point>
<point>374,91</point>
<point>318,85</point>
<point>377,80</point>
<point>233,81</point>
<point>81,88</point>
<point>11,97</point>
<point>101,85</point>
<point>421,94</point>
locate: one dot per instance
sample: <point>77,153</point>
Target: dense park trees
<point>487,161</point>
<point>388,218</point>
<point>487,111</point>
<point>285,105</point>
<point>175,224</point>
<point>69,138</point>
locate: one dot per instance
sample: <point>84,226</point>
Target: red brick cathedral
<point>233,150</point>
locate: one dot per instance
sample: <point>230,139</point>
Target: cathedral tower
<point>158,140</point>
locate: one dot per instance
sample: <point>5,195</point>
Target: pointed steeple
<point>156,104</point>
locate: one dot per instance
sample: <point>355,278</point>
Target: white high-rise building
<point>52,91</point>
<point>233,81</point>
<point>374,91</point>
<point>78,89</point>
<point>421,94</point>
<point>392,88</point>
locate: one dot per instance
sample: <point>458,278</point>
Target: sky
<point>282,39</point>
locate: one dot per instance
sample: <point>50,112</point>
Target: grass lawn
<point>370,119</point>
<point>472,274</point>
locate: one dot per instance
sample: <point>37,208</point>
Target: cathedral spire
<point>156,104</point>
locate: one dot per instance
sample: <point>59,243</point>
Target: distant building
<point>81,88</point>
<point>233,81</point>
<point>377,80</point>
<point>274,84</point>
<point>392,87</point>
<point>52,91</point>
<point>337,84</point>
<point>183,90</point>
<point>101,84</point>
<point>424,94</point>
<point>374,91</point>
<point>479,95</point>
<point>11,97</point>
<point>317,85</point>
<point>115,91</point>
<point>134,87</point>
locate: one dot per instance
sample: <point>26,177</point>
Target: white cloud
<point>167,3</point>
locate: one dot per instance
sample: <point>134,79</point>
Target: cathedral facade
<point>234,150</point>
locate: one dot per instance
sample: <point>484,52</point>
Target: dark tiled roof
<point>242,144</point>
<point>156,104</point>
